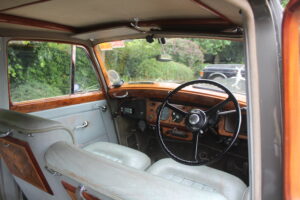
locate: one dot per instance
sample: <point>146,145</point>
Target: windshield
<point>175,60</point>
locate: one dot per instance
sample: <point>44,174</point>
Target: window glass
<point>85,76</point>
<point>38,69</point>
<point>176,60</point>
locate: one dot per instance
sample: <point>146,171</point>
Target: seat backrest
<point>110,180</point>
<point>24,140</point>
<point>246,195</point>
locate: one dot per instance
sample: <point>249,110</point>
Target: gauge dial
<point>176,117</point>
<point>164,114</point>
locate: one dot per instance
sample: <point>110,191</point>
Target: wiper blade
<point>141,82</point>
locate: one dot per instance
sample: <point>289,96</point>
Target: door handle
<point>121,96</point>
<point>103,108</point>
<point>79,192</point>
<point>83,125</point>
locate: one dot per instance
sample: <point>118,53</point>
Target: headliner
<point>83,19</point>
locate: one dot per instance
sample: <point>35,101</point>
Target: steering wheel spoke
<point>196,146</point>
<point>218,106</point>
<point>174,108</point>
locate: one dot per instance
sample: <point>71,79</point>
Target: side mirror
<point>77,88</point>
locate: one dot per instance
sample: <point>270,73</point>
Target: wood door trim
<point>40,176</point>
<point>56,102</point>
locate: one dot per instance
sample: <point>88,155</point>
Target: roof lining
<point>25,4</point>
<point>11,19</point>
<point>217,13</point>
<point>201,23</point>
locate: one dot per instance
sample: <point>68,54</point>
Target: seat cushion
<point>110,180</point>
<point>200,178</point>
<point>120,154</point>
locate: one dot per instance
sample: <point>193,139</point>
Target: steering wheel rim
<point>214,108</point>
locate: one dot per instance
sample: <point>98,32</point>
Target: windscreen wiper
<point>141,82</point>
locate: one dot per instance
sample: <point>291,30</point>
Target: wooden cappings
<point>22,163</point>
<point>71,190</point>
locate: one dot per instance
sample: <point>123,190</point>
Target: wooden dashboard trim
<point>161,90</point>
<point>56,102</point>
<point>222,130</point>
<point>168,124</point>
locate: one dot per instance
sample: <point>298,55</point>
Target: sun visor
<point>105,34</point>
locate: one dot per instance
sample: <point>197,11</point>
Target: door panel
<point>99,123</point>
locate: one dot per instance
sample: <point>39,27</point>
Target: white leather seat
<point>120,154</point>
<point>110,180</point>
<point>201,178</point>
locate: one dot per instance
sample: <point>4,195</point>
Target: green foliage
<point>221,51</point>
<point>151,69</point>
<point>37,65</point>
<point>42,69</point>
<point>85,75</point>
<point>284,3</point>
<point>184,51</point>
<point>130,60</point>
<point>233,53</point>
<point>33,90</point>
<point>45,63</point>
<point>125,60</point>
<point>212,46</point>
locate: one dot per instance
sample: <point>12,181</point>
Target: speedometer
<point>177,117</point>
<point>164,114</point>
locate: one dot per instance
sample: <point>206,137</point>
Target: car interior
<point>109,129</point>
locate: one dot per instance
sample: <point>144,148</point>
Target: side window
<point>45,69</point>
<point>38,69</point>
<point>85,76</point>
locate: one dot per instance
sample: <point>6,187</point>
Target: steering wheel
<point>199,121</point>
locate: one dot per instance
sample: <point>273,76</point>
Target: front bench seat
<point>106,179</point>
<point>121,154</point>
<point>202,178</point>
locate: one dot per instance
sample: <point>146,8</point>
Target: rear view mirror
<point>164,58</point>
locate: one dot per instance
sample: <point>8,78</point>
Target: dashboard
<point>172,122</point>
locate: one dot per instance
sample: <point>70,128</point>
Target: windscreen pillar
<point>4,99</point>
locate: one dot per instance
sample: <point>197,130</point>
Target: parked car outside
<point>221,71</point>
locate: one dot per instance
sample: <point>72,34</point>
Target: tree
<point>211,46</point>
<point>126,60</point>
<point>184,51</point>
<point>151,69</point>
<point>284,3</point>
